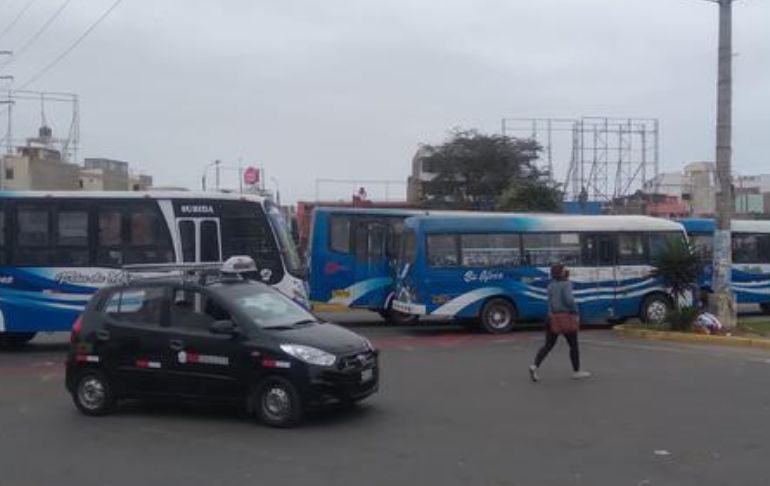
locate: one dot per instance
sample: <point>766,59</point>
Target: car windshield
<point>269,309</point>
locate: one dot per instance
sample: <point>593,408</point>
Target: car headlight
<point>309,354</point>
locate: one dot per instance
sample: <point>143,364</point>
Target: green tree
<point>472,170</point>
<point>531,196</point>
<point>678,266</point>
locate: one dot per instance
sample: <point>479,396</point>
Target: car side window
<point>138,306</point>
<point>194,311</point>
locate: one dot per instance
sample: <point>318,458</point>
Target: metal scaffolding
<point>608,157</point>
<point>63,108</point>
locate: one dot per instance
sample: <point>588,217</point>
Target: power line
<point>18,17</point>
<point>72,47</point>
<point>37,34</point>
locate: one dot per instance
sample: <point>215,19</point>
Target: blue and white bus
<point>750,254</point>
<point>351,257</point>
<point>495,267</point>
<point>58,248</point>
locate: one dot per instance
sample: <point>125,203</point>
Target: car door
<point>134,338</point>
<point>203,364</point>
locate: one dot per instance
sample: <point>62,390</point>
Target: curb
<point>626,330</point>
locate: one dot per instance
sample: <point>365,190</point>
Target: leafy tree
<point>531,196</point>
<point>678,266</point>
<point>472,170</point>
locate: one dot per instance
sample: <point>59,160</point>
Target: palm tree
<point>678,266</point>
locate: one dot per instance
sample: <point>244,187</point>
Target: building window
<point>9,173</point>
<point>81,183</point>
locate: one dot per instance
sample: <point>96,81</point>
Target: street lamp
<point>277,191</point>
<point>206,168</point>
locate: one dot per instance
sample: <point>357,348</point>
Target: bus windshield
<point>286,245</point>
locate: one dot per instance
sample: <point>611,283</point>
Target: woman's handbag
<point>564,323</point>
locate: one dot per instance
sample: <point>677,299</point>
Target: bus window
<point>187,239</point>
<point>657,241</point>
<point>442,251</point>
<point>751,248</point>
<point>71,237</point>
<point>209,242</point>
<point>132,233</point>
<point>370,240</point>
<point>33,235</point>
<point>631,249</point>
<point>703,245</point>
<point>545,249</point>
<point>2,235</point>
<point>339,234</point>
<point>598,250</point>
<point>490,250</point>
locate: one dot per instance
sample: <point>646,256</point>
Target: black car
<point>234,340</point>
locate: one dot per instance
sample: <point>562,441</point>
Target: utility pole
<point>724,300</point>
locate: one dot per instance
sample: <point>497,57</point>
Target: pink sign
<point>251,175</point>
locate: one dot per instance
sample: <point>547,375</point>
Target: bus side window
<point>339,233</point>
<point>2,235</point>
<point>33,235</point>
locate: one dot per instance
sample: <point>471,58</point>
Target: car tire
<point>498,316</point>
<point>93,393</point>
<point>15,340</point>
<point>655,309</point>
<point>765,307</point>
<point>277,403</point>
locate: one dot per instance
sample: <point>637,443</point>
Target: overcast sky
<point>346,89</point>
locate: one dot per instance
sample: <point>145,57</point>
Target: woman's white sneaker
<point>581,375</point>
<point>533,373</point>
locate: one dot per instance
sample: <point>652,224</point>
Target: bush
<point>683,319</point>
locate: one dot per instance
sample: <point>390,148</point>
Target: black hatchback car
<point>235,341</point>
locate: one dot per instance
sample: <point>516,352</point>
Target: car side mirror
<point>223,328</point>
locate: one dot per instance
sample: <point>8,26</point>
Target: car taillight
<point>76,329</point>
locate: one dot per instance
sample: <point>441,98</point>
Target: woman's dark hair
<point>557,271</point>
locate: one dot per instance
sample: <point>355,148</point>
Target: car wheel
<point>765,306</point>
<point>93,393</point>
<point>655,309</point>
<point>498,316</point>
<point>15,340</point>
<point>277,403</point>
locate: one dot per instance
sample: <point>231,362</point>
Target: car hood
<point>326,337</point>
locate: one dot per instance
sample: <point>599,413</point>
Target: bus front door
<point>596,290</point>
<point>199,239</point>
<point>372,273</point>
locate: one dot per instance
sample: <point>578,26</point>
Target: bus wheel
<point>765,306</point>
<point>655,309</point>
<point>15,340</point>
<point>498,316</point>
<point>397,318</point>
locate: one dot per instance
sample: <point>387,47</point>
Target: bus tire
<point>93,393</point>
<point>655,309</point>
<point>765,306</point>
<point>393,316</point>
<point>15,340</point>
<point>276,402</point>
<point>498,316</point>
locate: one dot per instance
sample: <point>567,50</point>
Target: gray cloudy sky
<point>349,88</point>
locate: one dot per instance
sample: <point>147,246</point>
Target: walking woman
<point>562,319</point>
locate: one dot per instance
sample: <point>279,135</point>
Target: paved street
<point>455,408</point>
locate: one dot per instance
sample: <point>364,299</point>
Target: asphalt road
<point>454,408</point>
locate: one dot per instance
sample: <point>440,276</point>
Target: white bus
<point>58,248</point>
